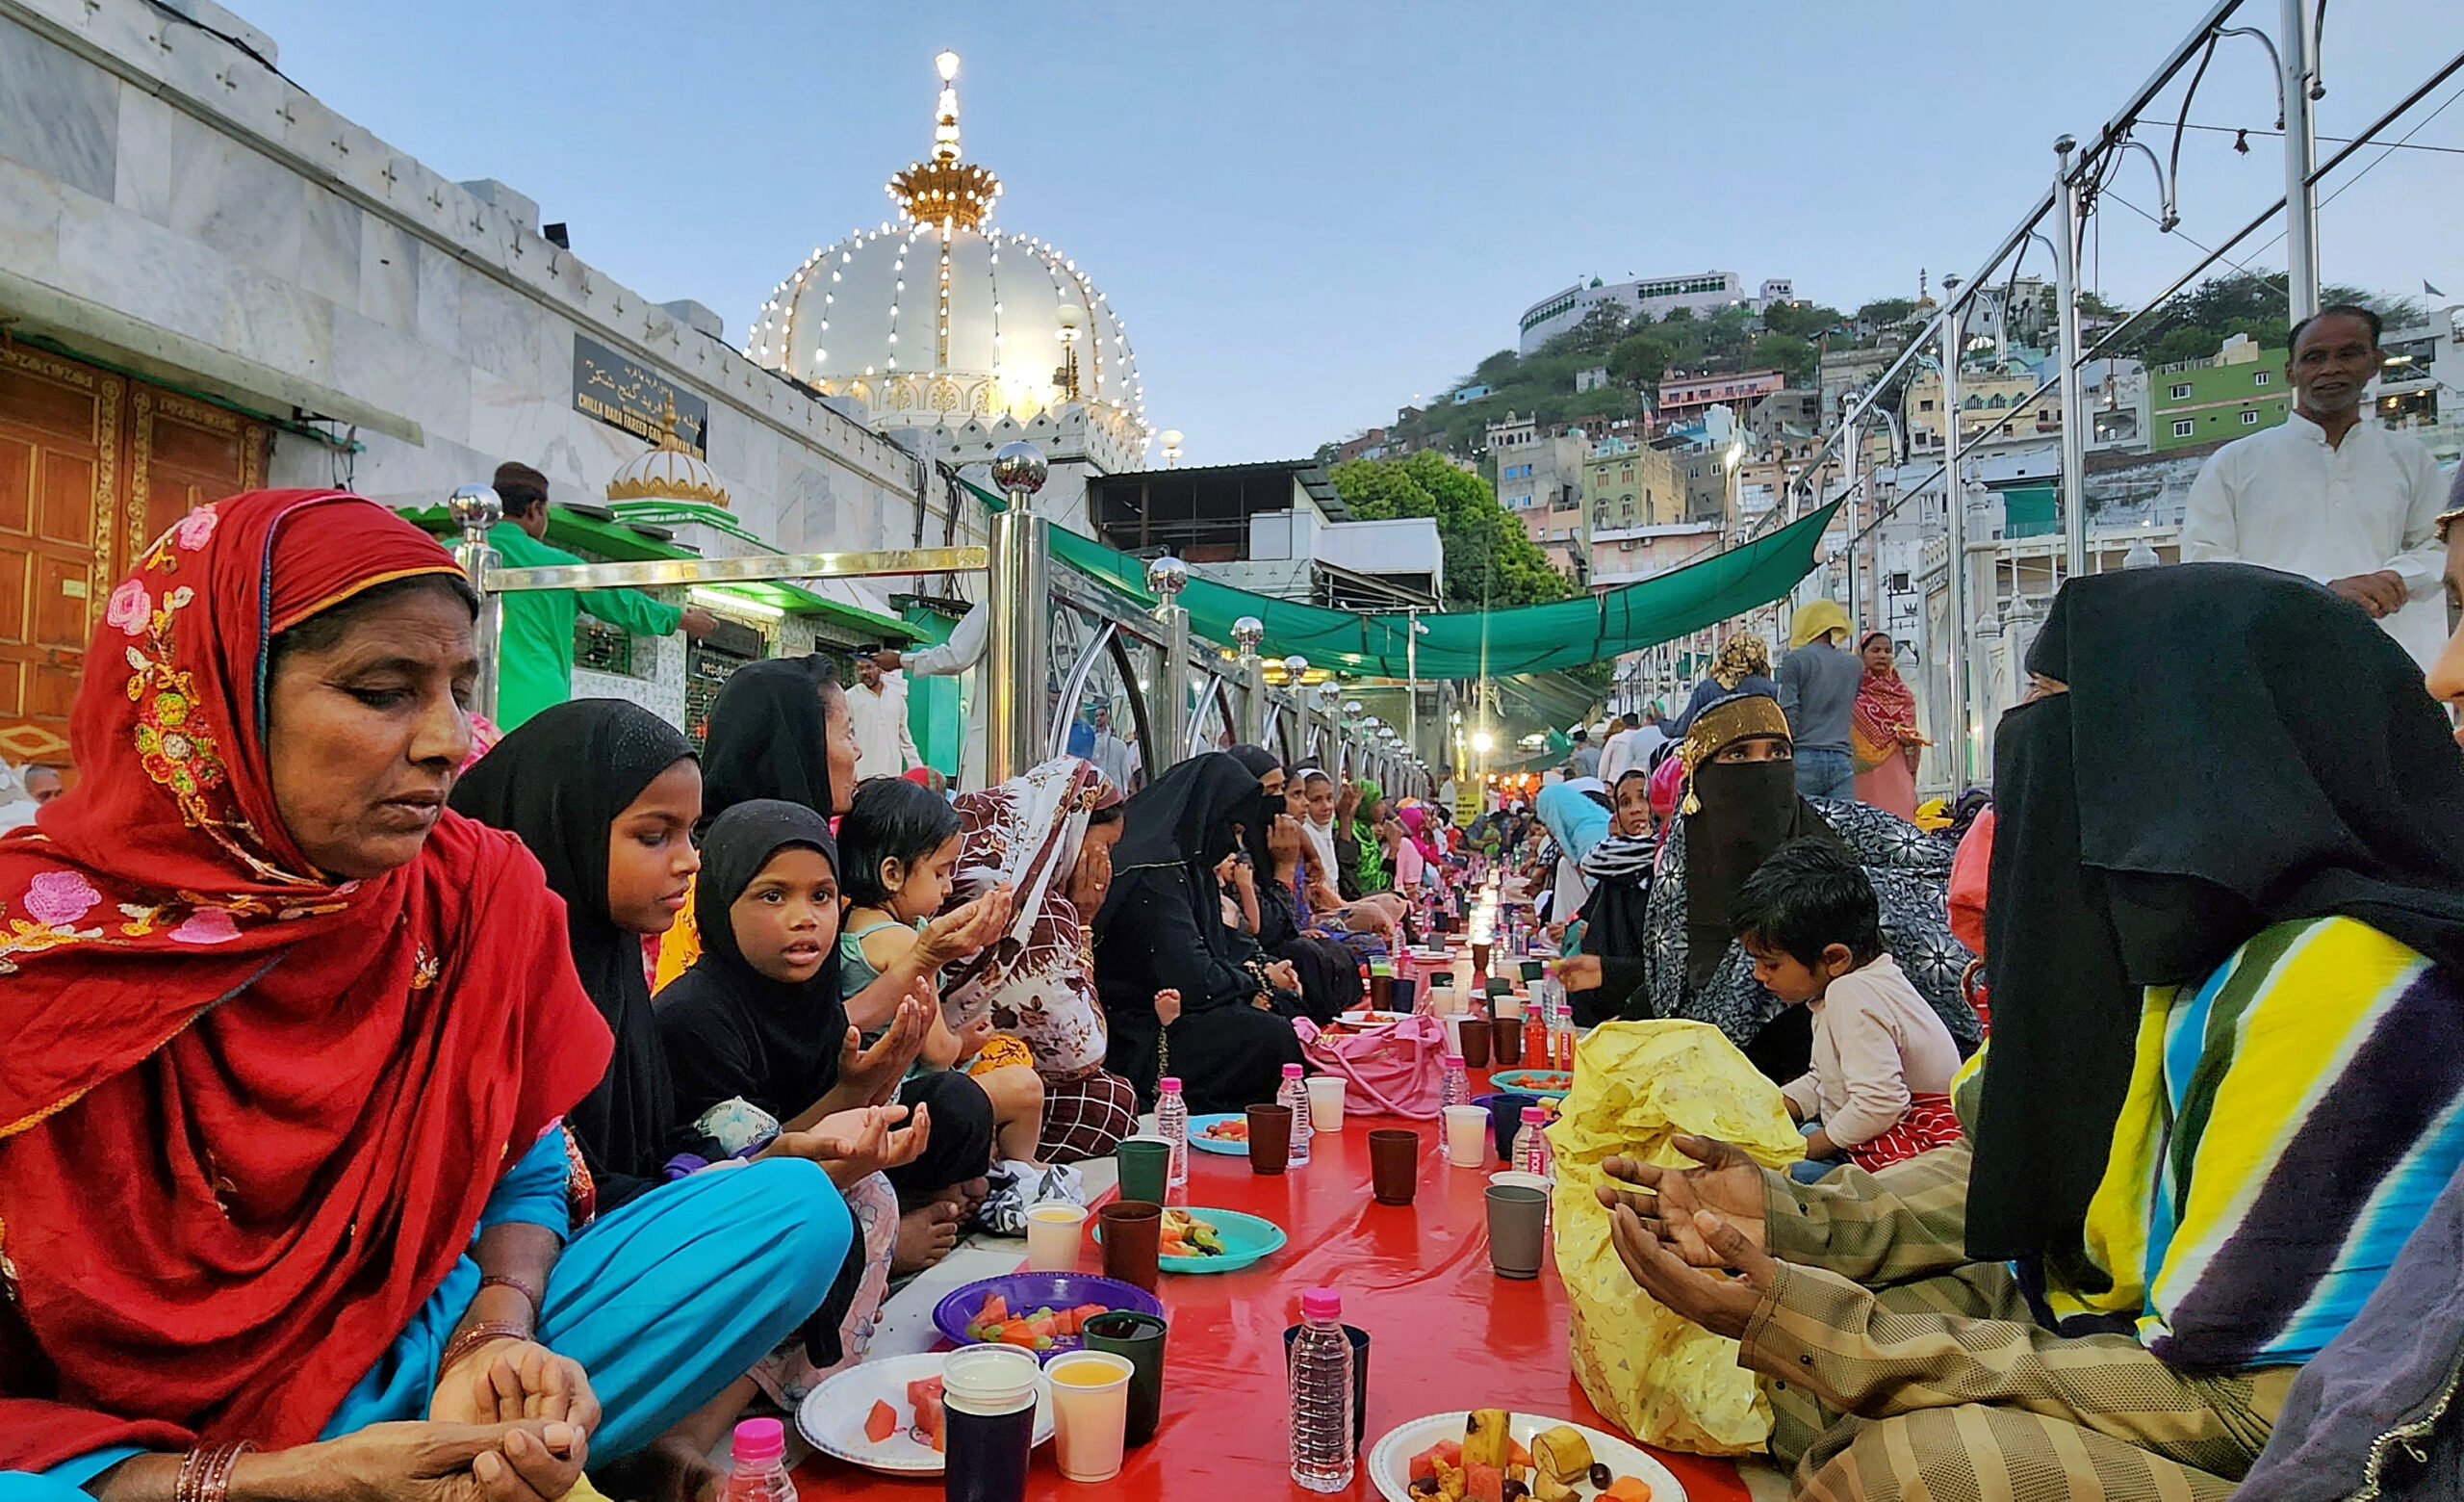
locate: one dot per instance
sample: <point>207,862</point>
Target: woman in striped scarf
<point>2225,936</point>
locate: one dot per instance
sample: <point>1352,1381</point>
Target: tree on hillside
<point>1599,329</point>
<point>1498,369</point>
<point>2191,323</point>
<point>1639,360</point>
<point>1883,312</point>
<point>1489,560</point>
<point>1785,352</point>
<point>1805,320</point>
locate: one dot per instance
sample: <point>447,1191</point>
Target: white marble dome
<point>941,318</point>
<point>668,472</point>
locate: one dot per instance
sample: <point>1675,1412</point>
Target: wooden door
<point>181,454</point>
<point>94,466</point>
<point>60,453</point>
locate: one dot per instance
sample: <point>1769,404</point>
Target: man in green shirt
<point>535,645</point>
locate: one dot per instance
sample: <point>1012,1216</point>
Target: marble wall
<point>150,167</point>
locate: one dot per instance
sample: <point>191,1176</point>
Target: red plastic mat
<point>1445,1332</point>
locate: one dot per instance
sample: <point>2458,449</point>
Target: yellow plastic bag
<point>1662,1378</point>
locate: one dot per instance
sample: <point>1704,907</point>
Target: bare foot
<point>926,1234</point>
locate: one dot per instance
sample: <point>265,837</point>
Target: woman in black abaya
<point>1162,928</point>
<point>1328,973</point>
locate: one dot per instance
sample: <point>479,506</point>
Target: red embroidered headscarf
<point>249,1115</point>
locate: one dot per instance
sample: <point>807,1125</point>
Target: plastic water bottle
<point>1321,1394</point>
<point>1532,1149</point>
<point>1172,1125</point>
<point>760,1469</point>
<point>1295,1095</point>
<point>1458,1090</point>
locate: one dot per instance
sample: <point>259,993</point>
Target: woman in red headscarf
<point>289,1044</point>
<point>1882,731</point>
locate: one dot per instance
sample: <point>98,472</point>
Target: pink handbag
<point>1396,1069</point>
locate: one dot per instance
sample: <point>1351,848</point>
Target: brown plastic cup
<point>1478,1030</point>
<point>1132,1239</point>
<point>1269,1138</point>
<point>1394,1165</point>
<point>1506,1035</point>
<point>1381,991</point>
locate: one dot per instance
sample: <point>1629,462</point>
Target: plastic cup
<point>1518,1230</point>
<point>1394,1165</point>
<point>1505,1040</point>
<point>1516,1175</point>
<point>988,1404</point>
<point>1472,1039</point>
<point>1132,1239</point>
<point>1508,1008</point>
<point>1269,1138</point>
<point>1506,1118</point>
<point>1139,1336</point>
<point>1467,1136</point>
<point>1089,1413</point>
<point>1327,1103</point>
<point>1053,1232</point>
<point>1145,1168</point>
<point>1481,955</point>
<point>1405,992</point>
<point>1533,970</point>
<point>1359,1340</point>
<point>1381,991</point>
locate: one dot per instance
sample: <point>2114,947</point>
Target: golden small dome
<point>669,472</point>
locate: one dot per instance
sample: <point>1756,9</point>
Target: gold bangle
<point>2446,520</point>
<point>205,1472</point>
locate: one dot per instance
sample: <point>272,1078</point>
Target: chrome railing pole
<point>1169,706</point>
<point>1251,729</point>
<point>2066,293</point>
<point>1015,611</point>
<point>475,508</point>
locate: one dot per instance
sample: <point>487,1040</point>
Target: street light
<point>1483,742</point>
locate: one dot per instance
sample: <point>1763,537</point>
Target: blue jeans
<point>1826,774</point>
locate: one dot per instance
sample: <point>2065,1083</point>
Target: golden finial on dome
<point>945,190</point>
<point>669,472</point>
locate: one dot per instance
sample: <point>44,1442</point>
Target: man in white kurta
<point>878,704</point>
<point>2330,495</point>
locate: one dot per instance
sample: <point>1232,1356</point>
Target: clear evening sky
<point>1307,213</point>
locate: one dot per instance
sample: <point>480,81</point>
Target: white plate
<point>832,1416</point>
<point>1390,1461</point>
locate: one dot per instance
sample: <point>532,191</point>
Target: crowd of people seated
<point>379,1120</point>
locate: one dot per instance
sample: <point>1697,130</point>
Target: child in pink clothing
<point>1879,1090</point>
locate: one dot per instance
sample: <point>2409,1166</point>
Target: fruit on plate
<point>924,1396</point>
<point>1186,1236</point>
<point>1563,1454</point>
<point>1227,1131</point>
<point>1628,1489</point>
<point>1483,1484</point>
<point>1485,1438</point>
<point>881,1423</point>
<point>1042,1329</point>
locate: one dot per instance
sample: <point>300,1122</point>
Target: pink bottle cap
<point>1534,1113</point>
<point>1293,1072</point>
<point>1454,1061</point>
<point>761,1441</point>
<point>1170,1084</point>
<point>1321,1304</point>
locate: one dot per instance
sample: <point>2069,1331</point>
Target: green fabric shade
<point>1532,639</point>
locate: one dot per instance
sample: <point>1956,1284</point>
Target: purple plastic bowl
<point>1027,1292</point>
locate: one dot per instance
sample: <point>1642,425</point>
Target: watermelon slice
<point>1424,1465</point>
<point>924,1396</point>
<point>1483,1484</point>
<point>881,1423</point>
<point>996,1310</point>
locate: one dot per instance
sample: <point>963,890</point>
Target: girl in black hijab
<point>1272,838</point>
<point>562,781</point>
<point>1615,931</point>
<point>740,1038</point>
<point>1162,928</point>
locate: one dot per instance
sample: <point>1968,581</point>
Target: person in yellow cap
<point>1818,683</point>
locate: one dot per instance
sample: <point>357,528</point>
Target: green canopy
<point>1532,639</point>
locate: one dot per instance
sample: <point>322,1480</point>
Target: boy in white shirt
<point>1880,1087</point>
